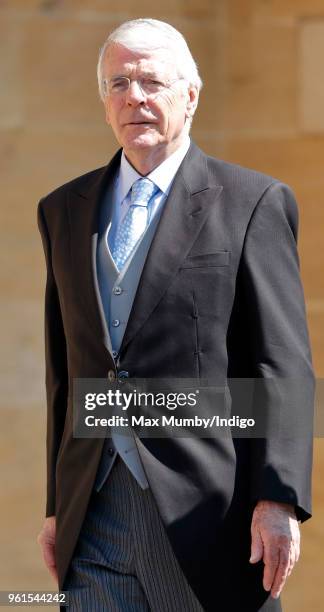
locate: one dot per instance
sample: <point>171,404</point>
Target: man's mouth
<point>140,123</point>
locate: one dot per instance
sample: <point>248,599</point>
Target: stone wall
<point>261,106</point>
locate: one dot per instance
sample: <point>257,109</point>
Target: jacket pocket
<point>219,258</point>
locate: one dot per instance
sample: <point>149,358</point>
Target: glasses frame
<point>165,86</point>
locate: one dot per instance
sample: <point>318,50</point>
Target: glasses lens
<point>121,84</point>
<point>118,85</point>
<point>151,86</point>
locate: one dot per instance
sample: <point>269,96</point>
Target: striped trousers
<point>123,561</point>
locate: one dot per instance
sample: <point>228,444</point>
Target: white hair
<point>145,35</point>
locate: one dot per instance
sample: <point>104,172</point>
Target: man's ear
<point>191,101</point>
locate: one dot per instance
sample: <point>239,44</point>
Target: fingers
<point>53,572</point>
<point>292,559</point>
<point>297,543</point>
<point>279,562</point>
<point>297,552</point>
<point>48,550</point>
<point>256,545</point>
<point>49,559</point>
<point>47,545</point>
<point>271,562</point>
<point>280,574</point>
<point>49,555</point>
<point>294,552</point>
<point>275,528</point>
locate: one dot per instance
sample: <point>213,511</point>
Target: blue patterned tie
<point>135,221</point>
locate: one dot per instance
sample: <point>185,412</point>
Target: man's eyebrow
<point>144,73</point>
<point>150,73</point>
<point>117,76</point>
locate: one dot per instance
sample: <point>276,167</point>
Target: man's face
<point>141,121</point>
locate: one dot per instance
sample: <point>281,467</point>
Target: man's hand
<point>46,540</point>
<point>276,540</point>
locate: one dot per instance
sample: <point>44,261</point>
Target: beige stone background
<point>262,106</point>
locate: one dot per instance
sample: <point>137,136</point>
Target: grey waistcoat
<point>116,292</point>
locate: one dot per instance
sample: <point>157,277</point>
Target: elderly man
<point>169,263</point>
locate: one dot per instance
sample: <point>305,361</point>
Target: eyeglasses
<point>149,86</point>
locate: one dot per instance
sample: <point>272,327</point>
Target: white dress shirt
<point>162,176</point>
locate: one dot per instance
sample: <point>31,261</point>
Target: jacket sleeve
<point>279,347</point>
<point>56,367</point>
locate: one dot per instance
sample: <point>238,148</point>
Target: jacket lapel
<point>83,210</point>
<point>185,211</point>
<point>189,202</point>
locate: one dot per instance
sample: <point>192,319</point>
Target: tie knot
<point>142,191</point>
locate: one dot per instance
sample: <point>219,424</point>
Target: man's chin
<point>141,141</point>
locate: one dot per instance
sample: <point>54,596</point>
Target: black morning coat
<point>219,297</point>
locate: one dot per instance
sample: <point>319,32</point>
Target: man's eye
<point>152,83</point>
<point>118,84</point>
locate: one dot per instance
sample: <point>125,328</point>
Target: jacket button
<point>111,375</point>
<point>111,451</point>
<point>122,374</point>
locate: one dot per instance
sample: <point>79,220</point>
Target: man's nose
<point>134,94</point>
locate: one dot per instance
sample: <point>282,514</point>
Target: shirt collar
<point>162,176</point>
